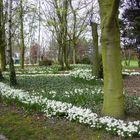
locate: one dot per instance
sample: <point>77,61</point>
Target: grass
<point>133,64</point>
<point>16,124</point>
<point>62,88</point>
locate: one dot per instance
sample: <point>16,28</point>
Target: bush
<point>45,62</point>
<point>85,60</point>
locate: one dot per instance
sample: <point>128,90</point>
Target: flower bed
<point>82,115</point>
<point>130,72</point>
<point>37,70</point>
<point>85,74</point>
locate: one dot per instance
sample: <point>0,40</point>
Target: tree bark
<point>2,38</point>
<point>1,76</point>
<point>65,33</point>
<point>60,58</point>
<point>74,54</point>
<point>13,80</point>
<point>139,59</point>
<point>74,39</point>
<point>22,46</point>
<point>113,104</point>
<point>95,65</point>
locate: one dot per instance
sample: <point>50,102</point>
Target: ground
<point>132,85</point>
<point>16,124</point>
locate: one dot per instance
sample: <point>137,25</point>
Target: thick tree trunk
<point>13,80</point>
<point>113,104</point>
<point>22,46</point>
<point>95,65</point>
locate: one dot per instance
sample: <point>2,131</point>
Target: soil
<point>132,85</point>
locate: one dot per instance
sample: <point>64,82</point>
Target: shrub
<point>45,62</point>
<point>85,60</point>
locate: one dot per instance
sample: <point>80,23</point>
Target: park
<point>69,70</point>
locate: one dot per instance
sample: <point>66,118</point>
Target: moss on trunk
<point>2,38</point>
<point>113,104</point>
<point>12,75</point>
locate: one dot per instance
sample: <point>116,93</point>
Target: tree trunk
<point>13,80</point>
<point>65,57</point>
<point>95,65</point>
<point>139,59</point>
<point>39,29</point>
<point>74,55</point>
<point>65,33</point>
<point>113,104</point>
<point>60,58</point>
<point>2,56</point>
<point>74,51</point>
<point>74,32</point>
<point>22,46</point>
<point>1,76</point>
<point>62,35</point>
<point>2,38</point>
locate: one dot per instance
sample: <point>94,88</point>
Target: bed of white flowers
<point>85,74</point>
<point>37,70</point>
<point>71,112</point>
<point>78,91</point>
<point>130,72</point>
<point>43,74</point>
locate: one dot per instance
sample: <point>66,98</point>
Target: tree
<point>113,104</point>
<point>77,26</point>
<point>130,25</point>
<point>67,25</point>
<point>22,46</point>
<point>2,38</point>
<point>65,33</point>
<point>34,53</point>
<point>13,80</point>
<point>60,25</point>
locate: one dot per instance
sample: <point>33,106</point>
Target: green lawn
<point>65,89</point>
<point>133,64</point>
